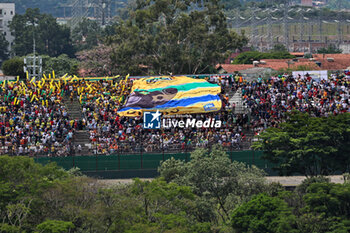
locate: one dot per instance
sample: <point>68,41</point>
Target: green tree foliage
<point>231,4</point>
<point>329,50</point>
<point>249,57</point>
<point>21,176</point>
<point>55,226</point>
<point>6,228</point>
<point>172,37</point>
<point>216,180</point>
<point>36,198</point>
<point>51,38</point>
<point>279,48</point>
<point>325,208</point>
<point>22,184</point>
<point>309,181</point>
<point>308,145</point>
<point>4,53</point>
<point>86,35</point>
<point>329,199</point>
<point>169,205</point>
<point>263,214</point>
<point>61,65</point>
<point>13,67</point>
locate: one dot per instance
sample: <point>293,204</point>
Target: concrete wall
<point>7,11</point>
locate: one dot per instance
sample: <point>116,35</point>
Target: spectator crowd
<point>269,100</point>
<point>34,118</point>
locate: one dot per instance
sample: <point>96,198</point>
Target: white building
<point>7,11</point>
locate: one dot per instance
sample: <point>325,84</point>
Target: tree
<point>22,184</point>
<point>263,214</point>
<point>250,56</point>
<point>308,145</point>
<point>61,65</point>
<point>169,37</point>
<point>3,48</point>
<point>97,62</point>
<point>329,199</point>
<point>6,228</point>
<point>325,208</point>
<point>216,180</point>
<point>51,38</point>
<point>279,48</point>
<point>329,50</point>
<point>167,204</point>
<point>55,226</point>
<point>86,35</point>
<point>13,67</point>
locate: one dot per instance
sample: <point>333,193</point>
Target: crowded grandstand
<point>83,116</point>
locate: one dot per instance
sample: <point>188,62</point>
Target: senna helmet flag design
<point>172,95</point>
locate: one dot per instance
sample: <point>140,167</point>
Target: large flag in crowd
<point>172,95</point>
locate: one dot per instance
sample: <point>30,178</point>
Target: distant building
<point>7,11</point>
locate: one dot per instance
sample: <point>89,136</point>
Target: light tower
<point>285,25</point>
<point>33,64</point>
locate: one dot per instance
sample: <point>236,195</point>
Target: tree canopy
<point>308,145</point>
<point>249,57</point>
<point>51,38</point>
<point>13,67</point>
<point>216,180</point>
<point>174,37</point>
<point>86,35</point>
<point>187,197</point>
<point>329,50</point>
<point>263,214</point>
<point>3,48</point>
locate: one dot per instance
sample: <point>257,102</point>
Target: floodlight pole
<point>34,57</point>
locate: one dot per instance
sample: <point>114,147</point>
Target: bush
<point>61,65</point>
<point>249,57</point>
<point>13,67</point>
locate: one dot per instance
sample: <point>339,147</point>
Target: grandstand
<point>77,116</point>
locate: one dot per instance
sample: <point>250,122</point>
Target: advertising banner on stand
<point>316,75</point>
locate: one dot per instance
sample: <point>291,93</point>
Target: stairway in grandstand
<point>81,137</point>
<point>237,100</point>
<point>247,142</point>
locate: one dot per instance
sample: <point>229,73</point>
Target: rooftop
<point>326,61</point>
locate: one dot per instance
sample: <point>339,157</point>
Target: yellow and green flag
<point>172,95</point>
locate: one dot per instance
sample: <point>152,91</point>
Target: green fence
<point>100,163</point>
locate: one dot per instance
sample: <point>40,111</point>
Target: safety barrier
<point>141,165</point>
